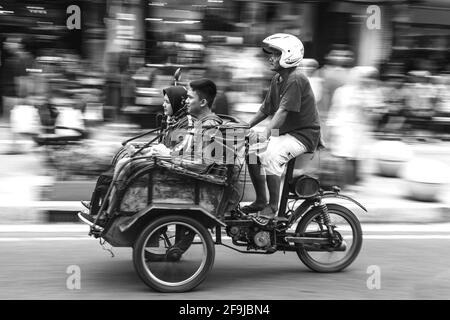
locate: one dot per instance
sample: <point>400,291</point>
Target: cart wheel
<point>173,254</point>
<point>183,237</point>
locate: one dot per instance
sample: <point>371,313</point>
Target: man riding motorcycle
<point>294,128</point>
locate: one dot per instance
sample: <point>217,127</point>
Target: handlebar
<point>139,136</point>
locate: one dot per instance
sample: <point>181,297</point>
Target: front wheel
<point>347,235</point>
<point>183,262</point>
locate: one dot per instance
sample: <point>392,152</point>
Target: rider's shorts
<point>279,151</point>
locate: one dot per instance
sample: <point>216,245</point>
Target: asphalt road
<point>413,261</point>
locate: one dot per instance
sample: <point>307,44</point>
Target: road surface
<point>412,260</point>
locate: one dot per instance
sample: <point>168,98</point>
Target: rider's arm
<point>257,118</point>
<point>266,109</point>
<point>277,121</point>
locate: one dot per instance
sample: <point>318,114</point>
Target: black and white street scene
<point>224,150</point>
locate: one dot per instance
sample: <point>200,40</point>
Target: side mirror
<point>177,76</point>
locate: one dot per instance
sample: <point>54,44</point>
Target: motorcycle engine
<point>254,237</point>
<point>236,232</point>
<point>262,239</point>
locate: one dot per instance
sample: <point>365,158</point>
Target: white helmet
<point>290,46</point>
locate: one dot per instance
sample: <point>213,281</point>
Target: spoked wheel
<point>183,238</point>
<point>344,245</point>
<point>174,254</point>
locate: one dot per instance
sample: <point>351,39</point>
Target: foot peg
<point>86,216</point>
<point>86,204</point>
<point>89,220</point>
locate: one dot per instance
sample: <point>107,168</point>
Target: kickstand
<point>106,249</point>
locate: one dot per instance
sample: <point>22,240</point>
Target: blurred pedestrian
<point>349,122</point>
<point>443,94</point>
<point>13,80</point>
<point>442,106</point>
<point>420,98</point>
<point>13,69</point>
<point>310,68</point>
<point>113,81</point>
<point>392,115</point>
<point>334,74</point>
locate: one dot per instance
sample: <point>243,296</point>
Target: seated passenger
<point>199,101</point>
<point>177,121</point>
<point>200,98</point>
<point>187,139</point>
<point>177,118</point>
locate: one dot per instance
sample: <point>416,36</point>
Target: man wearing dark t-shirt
<point>295,126</point>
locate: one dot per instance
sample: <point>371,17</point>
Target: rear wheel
<point>183,238</point>
<point>346,232</point>
<point>173,254</point>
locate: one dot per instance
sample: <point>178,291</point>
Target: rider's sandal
<point>265,216</point>
<point>251,208</point>
<point>267,212</point>
<point>262,221</point>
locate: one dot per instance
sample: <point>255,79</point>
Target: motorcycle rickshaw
<point>173,212</point>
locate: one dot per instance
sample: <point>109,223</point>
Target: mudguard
<point>306,205</point>
<point>341,196</point>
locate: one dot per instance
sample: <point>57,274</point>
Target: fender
<point>341,196</point>
<point>306,205</point>
<point>152,208</point>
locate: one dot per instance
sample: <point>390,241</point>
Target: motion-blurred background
<point>380,74</point>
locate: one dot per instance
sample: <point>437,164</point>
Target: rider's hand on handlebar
<point>256,137</point>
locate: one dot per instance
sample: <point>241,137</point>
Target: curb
<point>438,214</point>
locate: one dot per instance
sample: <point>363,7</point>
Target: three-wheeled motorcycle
<point>173,213</point>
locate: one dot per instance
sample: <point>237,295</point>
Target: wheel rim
<point>175,267</point>
<point>346,230</point>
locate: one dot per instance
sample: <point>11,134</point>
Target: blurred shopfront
<point>177,31</point>
<point>421,36</point>
<point>41,24</point>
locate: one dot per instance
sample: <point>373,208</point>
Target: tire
<point>152,280</point>
<point>354,250</point>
